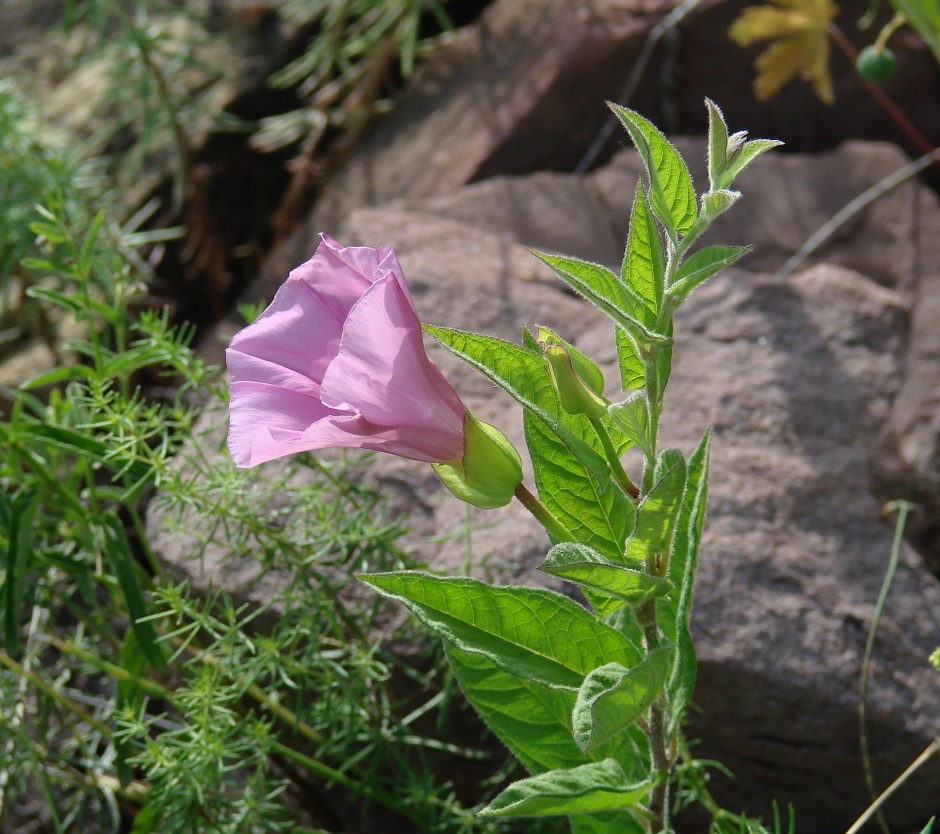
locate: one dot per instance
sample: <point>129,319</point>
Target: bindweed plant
<point>590,701</point>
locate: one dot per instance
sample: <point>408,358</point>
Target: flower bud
<point>578,382</point>
<point>489,471</point>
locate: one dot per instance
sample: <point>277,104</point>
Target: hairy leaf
<point>612,697</point>
<point>514,626</point>
<point>598,786</point>
<point>656,515</point>
<point>534,721</point>
<point>602,288</point>
<point>675,607</point>
<point>671,193</point>
<point>612,583</point>
<point>703,265</point>
<point>644,262</point>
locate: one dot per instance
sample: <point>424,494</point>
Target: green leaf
<point>612,697</point>
<point>595,512</point>
<point>656,515</point>
<point>601,287</point>
<point>674,609</point>
<point>703,265</point>
<point>522,373</point>
<point>717,145</point>
<point>623,822</point>
<point>598,786</point>
<point>90,447</point>
<point>117,551</point>
<point>644,262</point>
<point>21,515</point>
<point>572,476</point>
<point>87,251</point>
<point>671,193</point>
<point>514,626</point>
<point>534,721</point>
<point>632,418</point>
<point>129,696</point>
<point>716,203</point>
<point>632,367</point>
<point>76,305</point>
<point>746,155</point>
<point>64,373</point>
<point>614,583</point>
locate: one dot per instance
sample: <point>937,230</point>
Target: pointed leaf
<point>598,786</point>
<point>602,288</point>
<point>595,512</point>
<point>20,515</point>
<point>717,145</point>
<point>644,262</point>
<point>718,202</point>
<point>674,609</point>
<point>632,368</point>
<point>612,697</point>
<point>521,372</point>
<point>614,583</point>
<point>534,721</point>
<point>671,193</point>
<point>120,558</point>
<point>632,418</point>
<point>512,625</point>
<point>703,265</point>
<point>656,515</point>
<point>746,156</point>
<point>623,822</point>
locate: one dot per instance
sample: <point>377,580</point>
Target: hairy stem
<point>616,467</point>
<point>555,529</point>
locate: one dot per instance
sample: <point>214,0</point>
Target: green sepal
<point>597,786</point>
<point>491,468</point>
<point>612,697</point>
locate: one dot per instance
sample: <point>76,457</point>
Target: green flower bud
<point>490,470</point>
<point>578,382</point>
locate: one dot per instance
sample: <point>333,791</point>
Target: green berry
<point>874,64</point>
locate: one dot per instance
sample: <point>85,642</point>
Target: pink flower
<point>337,359</point>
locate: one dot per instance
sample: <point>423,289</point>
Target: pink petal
<point>383,373</point>
<point>261,412</point>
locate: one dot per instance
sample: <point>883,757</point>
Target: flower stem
<point>555,529</point>
<point>616,467</point>
<point>894,112</point>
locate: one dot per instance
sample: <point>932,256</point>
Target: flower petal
<point>383,373</point>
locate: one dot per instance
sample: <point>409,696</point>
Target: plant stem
<point>656,728</point>
<point>932,748</point>
<point>616,467</point>
<point>903,508</point>
<point>893,111</point>
<point>555,529</point>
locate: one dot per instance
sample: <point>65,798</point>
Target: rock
<point>521,91</point>
<point>795,375</point>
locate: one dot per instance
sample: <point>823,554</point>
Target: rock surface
<point>795,376</point>
<point>522,90</point>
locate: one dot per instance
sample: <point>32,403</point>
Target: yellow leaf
<point>798,29</point>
